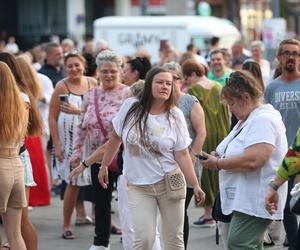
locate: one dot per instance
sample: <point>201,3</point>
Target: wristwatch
<point>273,185</point>
<point>84,164</point>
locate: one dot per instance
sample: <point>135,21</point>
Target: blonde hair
<point>35,124</point>
<point>30,76</point>
<point>13,116</point>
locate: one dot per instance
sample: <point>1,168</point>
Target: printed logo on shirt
<point>287,99</point>
<point>230,192</point>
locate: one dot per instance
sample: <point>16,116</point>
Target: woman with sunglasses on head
<point>100,105</point>
<point>64,114</point>
<point>254,69</point>
<point>155,140</point>
<point>247,160</point>
<point>195,120</point>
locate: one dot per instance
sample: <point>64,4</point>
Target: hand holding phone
<point>64,98</point>
<point>201,157</point>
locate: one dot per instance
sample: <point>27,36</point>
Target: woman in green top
<point>217,124</point>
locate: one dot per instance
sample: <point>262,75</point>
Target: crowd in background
<point>236,107</point>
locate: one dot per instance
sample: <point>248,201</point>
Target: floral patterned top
<point>88,130</point>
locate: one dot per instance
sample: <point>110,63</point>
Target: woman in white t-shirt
<point>155,140</point>
<point>247,159</point>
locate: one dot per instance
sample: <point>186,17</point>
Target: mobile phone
<point>201,157</point>
<point>64,98</point>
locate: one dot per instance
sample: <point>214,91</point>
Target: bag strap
<point>96,103</point>
<point>237,133</point>
<point>157,158</point>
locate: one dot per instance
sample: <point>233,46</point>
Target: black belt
<point>22,149</point>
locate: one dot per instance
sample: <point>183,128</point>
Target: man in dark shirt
<point>238,56</point>
<point>53,64</point>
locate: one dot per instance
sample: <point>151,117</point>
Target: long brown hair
<point>31,76</point>
<point>13,116</point>
<point>35,124</point>
<point>254,69</point>
<point>139,111</point>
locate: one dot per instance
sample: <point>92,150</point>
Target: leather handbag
<point>175,183</point>
<point>217,213</point>
<point>114,167</point>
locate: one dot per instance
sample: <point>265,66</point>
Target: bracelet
<point>193,152</point>
<point>217,166</point>
<point>273,185</point>
<point>84,164</point>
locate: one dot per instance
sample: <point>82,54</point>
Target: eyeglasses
<point>290,53</point>
<point>106,72</point>
<point>71,53</point>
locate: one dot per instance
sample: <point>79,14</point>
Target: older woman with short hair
<point>247,160</point>
<point>100,105</point>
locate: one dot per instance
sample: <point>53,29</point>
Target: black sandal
<point>68,235</point>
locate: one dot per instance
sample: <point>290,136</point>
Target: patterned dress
<point>217,123</point>
<point>66,128</point>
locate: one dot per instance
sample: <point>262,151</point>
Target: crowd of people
<point>81,123</point>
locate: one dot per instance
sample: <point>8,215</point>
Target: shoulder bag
<point>217,213</point>
<point>114,164</point>
<point>175,183</point>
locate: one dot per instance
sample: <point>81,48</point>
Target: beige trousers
<point>143,201</point>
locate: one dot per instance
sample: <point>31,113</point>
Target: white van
<point>126,33</point>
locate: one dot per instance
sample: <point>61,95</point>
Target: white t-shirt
<point>265,68</point>
<point>245,192</point>
<point>141,167</point>
<point>47,90</point>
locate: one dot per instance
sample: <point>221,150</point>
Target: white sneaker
<point>93,247</point>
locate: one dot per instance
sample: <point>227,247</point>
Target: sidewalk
<point>48,221</point>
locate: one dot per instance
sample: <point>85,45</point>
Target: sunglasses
<point>74,52</point>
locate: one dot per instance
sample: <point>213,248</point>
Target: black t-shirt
<point>54,74</point>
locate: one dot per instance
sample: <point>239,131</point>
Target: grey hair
<point>257,43</point>
<point>174,66</point>
<point>108,56</point>
<point>67,41</point>
<point>137,88</point>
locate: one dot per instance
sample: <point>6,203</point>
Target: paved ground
<point>48,222</point>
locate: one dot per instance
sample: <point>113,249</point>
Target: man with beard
<point>284,94</point>
<point>53,64</point>
<point>218,70</point>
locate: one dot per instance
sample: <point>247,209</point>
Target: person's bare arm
<point>184,161</point>
<point>252,158</point>
<point>54,111</point>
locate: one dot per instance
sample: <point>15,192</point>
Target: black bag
<point>296,208</point>
<point>295,199</point>
<point>217,211</point>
